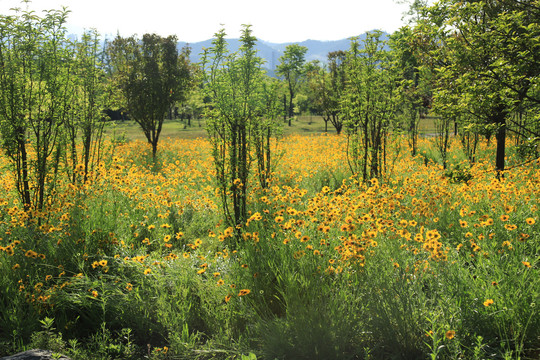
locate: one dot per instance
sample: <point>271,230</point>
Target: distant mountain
<point>271,52</point>
<point>268,53</point>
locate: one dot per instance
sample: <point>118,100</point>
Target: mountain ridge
<point>270,52</point>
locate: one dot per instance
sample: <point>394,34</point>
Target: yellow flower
<point>237,182</point>
<point>244,292</point>
<point>31,254</point>
<point>256,217</point>
<point>526,263</point>
<point>530,221</point>
<point>147,271</point>
<point>103,263</point>
<point>450,334</point>
<point>129,287</point>
<point>95,293</point>
<point>220,282</point>
<point>488,302</point>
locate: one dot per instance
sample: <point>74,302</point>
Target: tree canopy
<point>152,76</point>
<point>486,58</point>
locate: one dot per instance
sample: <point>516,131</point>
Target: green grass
<point>177,129</point>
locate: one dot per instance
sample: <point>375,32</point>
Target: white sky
<point>196,20</point>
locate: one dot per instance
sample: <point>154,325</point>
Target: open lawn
<point>310,124</point>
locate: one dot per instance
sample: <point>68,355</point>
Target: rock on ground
<point>35,354</point>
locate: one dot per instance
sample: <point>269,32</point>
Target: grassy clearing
<point>137,262</point>
<point>176,129</point>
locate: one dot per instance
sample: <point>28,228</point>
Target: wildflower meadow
<point>422,263</point>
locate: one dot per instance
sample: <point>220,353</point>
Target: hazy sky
<point>196,20</point>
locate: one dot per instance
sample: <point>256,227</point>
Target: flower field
<point>424,263</point>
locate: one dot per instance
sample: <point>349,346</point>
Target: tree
<point>193,106</point>
<point>486,56</point>
<point>368,104</point>
<point>291,68</point>
<point>267,128</point>
<point>151,77</point>
<point>415,83</point>
<point>239,99</point>
<point>35,95</point>
<point>329,87</point>
<point>86,113</point>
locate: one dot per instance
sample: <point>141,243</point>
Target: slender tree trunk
<point>268,158</point>
<point>291,106</point>
<point>25,191</point>
<point>244,175</point>
<point>413,130</point>
<point>87,145</point>
<point>154,150</point>
<point>445,145</point>
<point>73,154</point>
<point>366,148</point>
<point>285,111</point>
<point>337,124</point>
<point>501,143</point>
